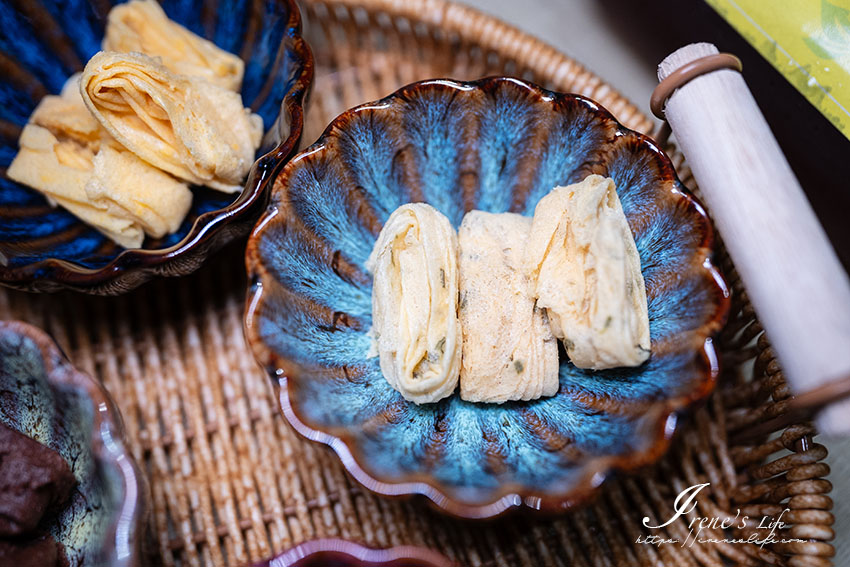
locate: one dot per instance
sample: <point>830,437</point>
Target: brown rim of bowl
<point>127,527</point>
<point>666,414</point>
<point>145,264</point>
<point>360,555</point>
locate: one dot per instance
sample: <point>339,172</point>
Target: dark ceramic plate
<point>42,43</point>
<point>47,399</point>
<point>341,553</point>
<point>496,145</point>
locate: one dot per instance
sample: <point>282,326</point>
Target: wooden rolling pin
<point>792,275</point>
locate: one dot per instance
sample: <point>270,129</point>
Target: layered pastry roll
<point>75,163</point>
<point>61,168</point>
<point>125,186</point>
<point>194,130</point>
<point>142,26</point>
<point>67,116</point>
<point>583,258</point>
<point>509,353</point>
<point>414,303</point>
<point>56,156</point>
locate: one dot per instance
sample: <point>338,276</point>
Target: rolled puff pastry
<point>509,352</point>
<point>143,27</point>
<point>414,303</point>
<point>125,186</point>
<point>66,115</point>
<point>68,156</point>
<point>583,257</point>
<point>56,154</point>
<point>61,169</point>
<point>192,129</point>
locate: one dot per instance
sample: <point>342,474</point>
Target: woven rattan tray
<point>232,484</point>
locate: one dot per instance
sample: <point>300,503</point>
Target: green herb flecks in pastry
<point>509,352</point>
<point>583,258</point>
<point>414,303</point>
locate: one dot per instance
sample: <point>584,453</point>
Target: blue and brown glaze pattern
<point>496,145</point>
<point>47,399</point>
<point>342,553</point>
<point>43,42</point>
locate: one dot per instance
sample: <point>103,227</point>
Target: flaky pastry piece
<point>582,255</point>
<point>57,150</point>
<point>61,169</point>
<point>125,186</point>
<point>194,130</point>
<point>66,155</point>
<point>66,115</point>
<point>414,303</point>
<point>142,26</point>
<point>509,352</point>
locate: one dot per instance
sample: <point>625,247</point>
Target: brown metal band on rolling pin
<point>681,76</point>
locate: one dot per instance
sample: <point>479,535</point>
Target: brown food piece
<point>33,479</point>
<point>39,551</point>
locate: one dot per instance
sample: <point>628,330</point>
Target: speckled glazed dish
<point>341,553</point>
<point>43,42</point>
<point>497,145</point>
<point>47,399</point>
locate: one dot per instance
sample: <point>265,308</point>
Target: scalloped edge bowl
<point>350,554</point>
<point>108,445</point>
<point>665,416</point>
<point>212,230</point>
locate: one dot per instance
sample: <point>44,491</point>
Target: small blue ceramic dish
<point>497,145</point>
<point>43,42</point>
<point>47,399</point>
<point>342,553</point>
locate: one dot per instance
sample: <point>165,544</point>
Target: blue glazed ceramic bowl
<point>43,42</point>
<point>342,553</point>
<point>47,399</point>
<point>497,145</point>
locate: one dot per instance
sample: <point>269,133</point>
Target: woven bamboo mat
<point>232,484</point>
